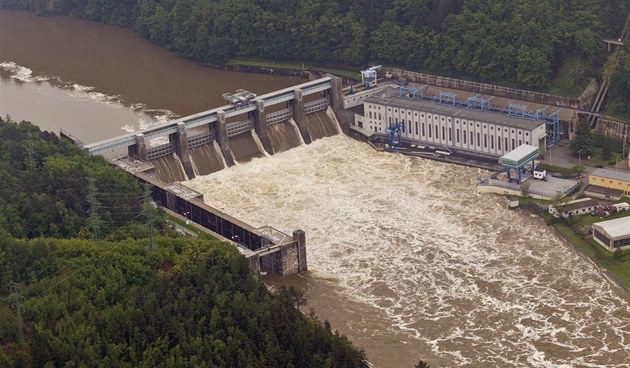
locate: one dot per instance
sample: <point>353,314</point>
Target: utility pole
<point>18,305</point>
<point>94,220</point>
<point>149,215</point>
<point>30,153</point>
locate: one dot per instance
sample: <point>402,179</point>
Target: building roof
<point>617,227</point>
<point>580,203</point>
<point>520,155</point>
<point>612,174</point>
<point>389,96</point>
<point>603,190</point>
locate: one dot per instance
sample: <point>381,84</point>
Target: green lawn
<point>619,267</point>
<point>598,159</point>
<point>178,221</point>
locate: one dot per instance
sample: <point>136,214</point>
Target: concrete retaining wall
<point>614,128</point>
<point>489,89</point>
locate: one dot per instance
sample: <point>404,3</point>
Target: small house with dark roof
<point>578,207</point>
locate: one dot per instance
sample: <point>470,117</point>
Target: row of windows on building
<point>402,121</point>
<point>603,180</point>
<point>621,243</point>
<point>428,131</point>
<point>603,238</point>
<point>616,244</point>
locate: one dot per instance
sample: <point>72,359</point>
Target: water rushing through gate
<point>410,263</point>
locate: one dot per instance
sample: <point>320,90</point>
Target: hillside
<point>121,300</point>
<point>186,303</point>
<point>515,42</point>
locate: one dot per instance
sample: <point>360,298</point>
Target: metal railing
<point>200,139</point>
<point>160,151</point>
<point>239,127</point>
<point>278,116</point>
<point>316,105</point>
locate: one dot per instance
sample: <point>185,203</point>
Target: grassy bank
<point>617,266</point>
<point>181,223</point>
<point>572,78</point>
<point>347,73</point>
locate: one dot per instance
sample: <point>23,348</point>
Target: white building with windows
<point>613,234</point>
<point>483,133</point>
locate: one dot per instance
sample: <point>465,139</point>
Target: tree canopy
<point>45,186</point>
<point>119,302</point>
<point>584,142</point>
<point>510,41</point>
<point>186,303</point>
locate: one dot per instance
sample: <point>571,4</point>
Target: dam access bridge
<point>249,126</point>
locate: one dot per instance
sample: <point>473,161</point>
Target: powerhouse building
<point>478,132</point>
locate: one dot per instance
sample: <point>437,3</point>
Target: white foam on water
<point>476,282</point>
<point>21,73</point>
<point>146,118</point>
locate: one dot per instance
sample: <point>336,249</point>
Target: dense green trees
<point>44,186</point>
<point>619,66</point>
<point>120,302</point>
<point>583,144</point>
<point>187,303</point>
<point>509,41</point>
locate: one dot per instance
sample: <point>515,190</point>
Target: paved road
<point>561,155</point>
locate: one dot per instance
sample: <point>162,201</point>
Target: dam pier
<point>250,126</point>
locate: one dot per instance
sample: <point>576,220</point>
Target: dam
<point>249,127</point>
<point>441,274</point>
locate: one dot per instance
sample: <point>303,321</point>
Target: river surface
<point>97,81</point>
<point>404,257</point>
<point>411,264</point>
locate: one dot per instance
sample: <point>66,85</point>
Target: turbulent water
<point>459,279</point>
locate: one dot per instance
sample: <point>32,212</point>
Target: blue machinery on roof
<point>480,103</point>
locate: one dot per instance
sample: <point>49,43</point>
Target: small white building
<point>578,207</point>
<point>613,234</point>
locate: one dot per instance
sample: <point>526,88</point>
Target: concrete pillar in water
<point>222,138</point>
<point>299,115</point>
<point>336,94</point>
<point>300,243</point>
<point>261,127</point>
<point>180,140</point>
<point>138,150</point>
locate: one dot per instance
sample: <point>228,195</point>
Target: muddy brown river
<point>404,257</point>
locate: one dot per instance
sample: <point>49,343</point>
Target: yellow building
<point>611,179</point>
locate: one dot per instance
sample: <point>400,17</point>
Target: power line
<point>149,213</point>
<point>94,219</point>
<point>30,152</point>
<point>18,305</point>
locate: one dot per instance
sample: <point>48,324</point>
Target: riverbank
<point>616,268</point>
<point>267,66</point>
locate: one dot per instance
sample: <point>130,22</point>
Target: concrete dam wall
<point>238,135</point>
<point>212,140</point>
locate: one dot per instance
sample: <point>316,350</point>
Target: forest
<point>515,42</point>
<point>123,299</point>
